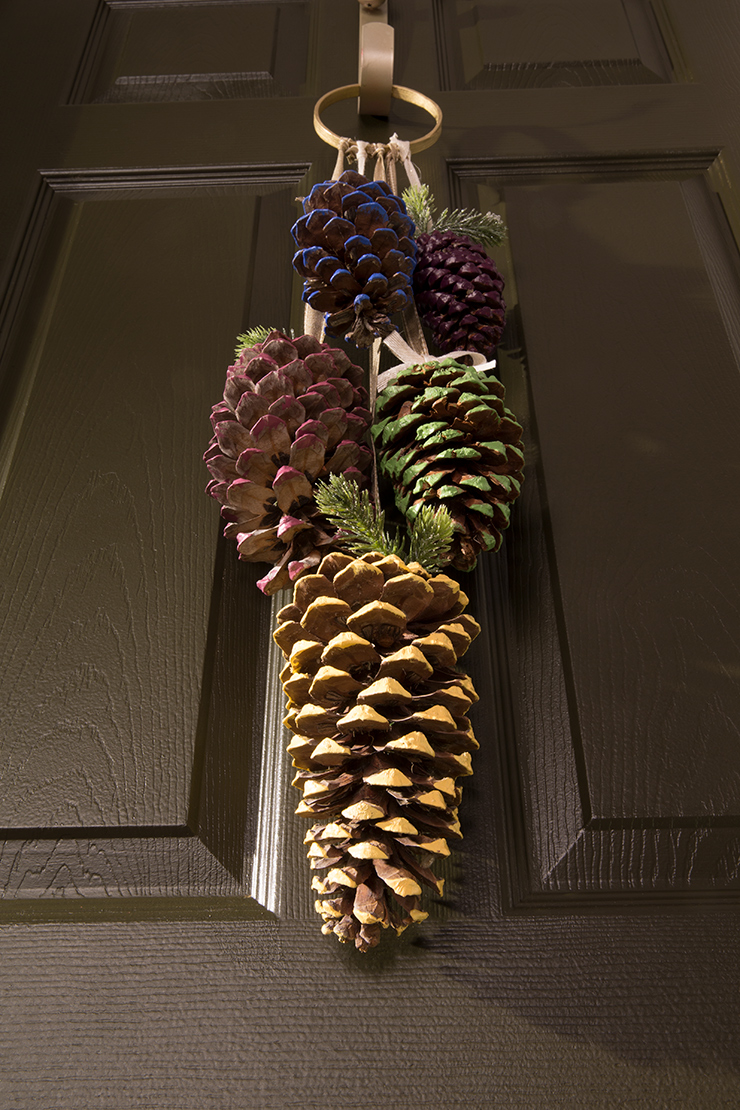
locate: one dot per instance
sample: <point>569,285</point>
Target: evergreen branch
<point>421,207</point>
<point>349,509</point>
<point>431,536</point>
<point>486,228</point>
<point>250,338</point>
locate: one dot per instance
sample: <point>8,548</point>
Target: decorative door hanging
<point>368,498</point>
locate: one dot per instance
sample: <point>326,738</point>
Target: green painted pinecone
<point>293,413</point>
<point>356,254</point>
<point>444,437</point>
<point>379,711</point>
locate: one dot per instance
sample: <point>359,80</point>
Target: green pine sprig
<point>430,537</point>
<point>361,527</point>
<point>421,207</point>
<point>486,228</point>
<point>250,338</point>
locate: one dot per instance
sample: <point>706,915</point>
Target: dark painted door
<point>158,938</point>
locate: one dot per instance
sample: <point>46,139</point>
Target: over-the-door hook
<point>375,76</point>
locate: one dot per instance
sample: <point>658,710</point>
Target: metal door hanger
<point>375,75</point>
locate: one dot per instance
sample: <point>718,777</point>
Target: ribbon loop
<point>410,357</point>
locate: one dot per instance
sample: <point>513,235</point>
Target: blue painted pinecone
<point>357,256</point>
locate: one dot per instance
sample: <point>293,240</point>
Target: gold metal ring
<point>346,92</point>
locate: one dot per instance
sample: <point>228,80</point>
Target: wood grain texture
<point>164,866</point>
<point>137,182</point>
<point>654,743</point>
<point>225,792</point>
<point>718,247</point>
<point>104,615</point>
<point>156,88</point>
<point>217,1015</point>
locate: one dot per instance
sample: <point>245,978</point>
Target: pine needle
<point>250,338</point>
<point>421,207</point>
<point>361,528</point>
<point>431,536</point>
<point>486,228</point>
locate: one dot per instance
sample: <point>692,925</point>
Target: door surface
<point>159,943</point>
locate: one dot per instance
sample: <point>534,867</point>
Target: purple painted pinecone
<point>356,255</point>
<point>293,413</point>
<point>459,293</point>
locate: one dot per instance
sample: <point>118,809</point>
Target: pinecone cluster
<point>459,293</point>
<point>294,411</point>
<point>444,437</point>
<point>379,711</point>
<point>356,254</point>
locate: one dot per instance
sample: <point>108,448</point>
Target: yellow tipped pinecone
<point>379,711</point>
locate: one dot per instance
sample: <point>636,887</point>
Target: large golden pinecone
<point>356,254</point>
<point>379,711</point>
<point>293,413</point>
<point>445,438</point>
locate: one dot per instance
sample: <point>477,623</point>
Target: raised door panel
<point>124,631</point>
<point>139,52</point>
<point>553,44</point>
<point>622,589</point>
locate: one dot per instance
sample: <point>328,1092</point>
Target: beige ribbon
<point>409,357</point>
<point>345,148</point>
<point>364,151</point>
<point>401,152</point>
<point>313,322</point>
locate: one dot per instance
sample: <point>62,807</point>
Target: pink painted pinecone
<point>294,411</point>
<point>459,293</point>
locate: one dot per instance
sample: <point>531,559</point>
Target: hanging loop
<point>411,96</point>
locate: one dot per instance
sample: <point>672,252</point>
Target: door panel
<point>145,53</point>
<point>554,44</point>
<point>629,361</point>
<point>110,569</point>
<point>124,567</point>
